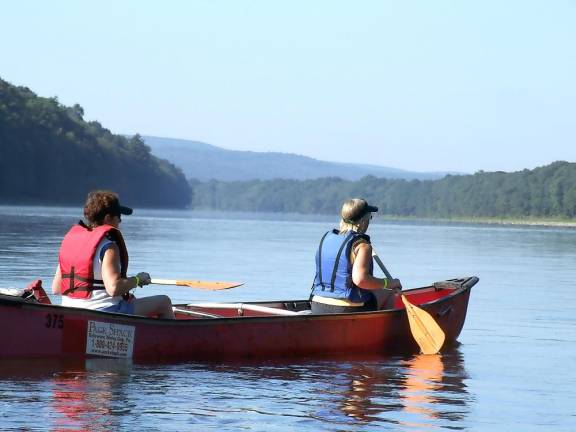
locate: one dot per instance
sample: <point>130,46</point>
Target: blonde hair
<point>350,210</point>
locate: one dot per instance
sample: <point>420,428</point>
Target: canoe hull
<point>35,330</point>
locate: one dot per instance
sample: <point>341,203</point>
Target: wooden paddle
<point>205,285</point>
<point>425,330</point>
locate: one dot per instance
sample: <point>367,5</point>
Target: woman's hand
<point>395,284</point>
<point>143,279</point>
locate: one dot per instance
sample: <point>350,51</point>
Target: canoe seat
<point>195,313</point>
<point>240,308</point>
<point>304,312</point>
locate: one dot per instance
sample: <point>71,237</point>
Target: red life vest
<point>76,258</point>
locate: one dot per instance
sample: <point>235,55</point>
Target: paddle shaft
<point>381,264</point>
<point>167,282</point>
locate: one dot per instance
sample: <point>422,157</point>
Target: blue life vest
<point>334,269</point>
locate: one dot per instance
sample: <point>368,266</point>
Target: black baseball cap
<point>118,209</point>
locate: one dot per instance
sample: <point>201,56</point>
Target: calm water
<point>513,371</point>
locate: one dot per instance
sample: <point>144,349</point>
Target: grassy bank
<point>527,221</point>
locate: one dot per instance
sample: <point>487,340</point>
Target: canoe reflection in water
<point>418,392</point>
<point>89,396</point>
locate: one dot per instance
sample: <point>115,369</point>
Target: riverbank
<point>547,223</point>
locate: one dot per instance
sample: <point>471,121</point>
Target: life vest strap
<point>86,288</point>
<point>74,277</point>
<point>320,261</point>
<point>337,262</point>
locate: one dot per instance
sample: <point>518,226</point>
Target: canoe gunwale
<point>466,285</point>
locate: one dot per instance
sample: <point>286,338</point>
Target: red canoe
<point>223,331</point>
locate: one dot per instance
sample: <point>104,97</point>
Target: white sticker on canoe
<point>110,340</point>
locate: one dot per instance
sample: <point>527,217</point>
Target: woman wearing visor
<point>93,264</point>
<point>344,280</point>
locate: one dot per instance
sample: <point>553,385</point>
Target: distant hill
<point>50,155</point>
<point>204,162</point>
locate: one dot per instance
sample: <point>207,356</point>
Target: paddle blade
<point>212,286</point>
<point>205,285</point>
<point>426,331</point>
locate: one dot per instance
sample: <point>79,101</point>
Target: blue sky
<point>418,85</point>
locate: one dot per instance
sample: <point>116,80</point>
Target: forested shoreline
<point>49,155</point>
<point>547,193</point>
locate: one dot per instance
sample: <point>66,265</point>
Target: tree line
<point>50,155</point>
<point>547,192</point>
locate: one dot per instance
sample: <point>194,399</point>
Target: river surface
<point>514,369</point>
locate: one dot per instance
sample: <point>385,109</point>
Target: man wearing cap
<point>93,262</point>
<point>344,281</point>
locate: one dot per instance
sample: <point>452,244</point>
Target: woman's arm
<point>361,271</point>
<point>57,281</point>
<point>114,283</point>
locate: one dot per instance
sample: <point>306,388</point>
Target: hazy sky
<point>419,85</point>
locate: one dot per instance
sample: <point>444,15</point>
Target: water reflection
<point>360,401</point>
<point>419,392</point>
<point>434,390</point>
<point>90,398</point>
<point>423,378</point>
